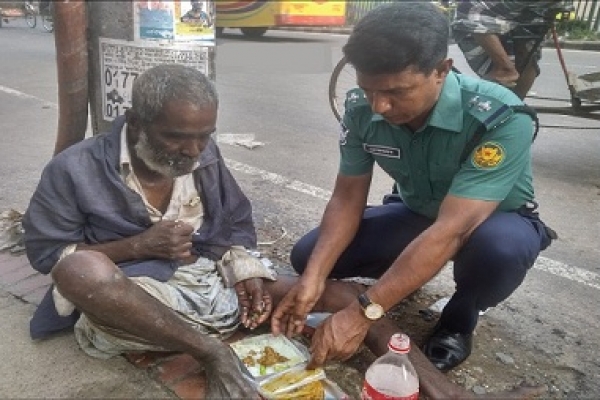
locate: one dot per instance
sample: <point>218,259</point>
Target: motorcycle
<point>26,10</point>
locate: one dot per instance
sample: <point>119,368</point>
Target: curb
<point>588,45</point>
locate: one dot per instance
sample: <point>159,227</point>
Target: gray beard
<point>157,161</point>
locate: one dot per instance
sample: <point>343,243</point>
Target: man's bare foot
<point>504,77</point>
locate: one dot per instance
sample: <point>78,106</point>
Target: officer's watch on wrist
<point>372,311</point>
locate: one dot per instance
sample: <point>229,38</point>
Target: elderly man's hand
<point>255,302</point>
<point>224,377</point>
<point>166,239</point>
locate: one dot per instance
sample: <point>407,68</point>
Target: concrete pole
<point>122,39</point>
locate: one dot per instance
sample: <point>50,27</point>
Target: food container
<point>252,351</point>
<point>294,380</point>
<point>304,384</point>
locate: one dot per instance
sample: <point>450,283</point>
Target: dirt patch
<point>498,362</point>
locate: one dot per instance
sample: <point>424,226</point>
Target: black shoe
<point>446,349</point>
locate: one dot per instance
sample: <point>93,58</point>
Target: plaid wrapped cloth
<point>506,19</point>
<point>195,292</point>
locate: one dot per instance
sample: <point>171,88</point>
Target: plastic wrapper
<point>294,383</point>
<point>299,383</point>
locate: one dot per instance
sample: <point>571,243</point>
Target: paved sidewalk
<point>63,369</point>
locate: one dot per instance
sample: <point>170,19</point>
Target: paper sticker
<point>123,61</point>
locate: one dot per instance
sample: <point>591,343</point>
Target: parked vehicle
<point>255,17</point>
<point>11,11</point>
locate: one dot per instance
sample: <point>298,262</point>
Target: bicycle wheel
<point>48,23</point>
<point>31,19</point>
<point>343,78</point>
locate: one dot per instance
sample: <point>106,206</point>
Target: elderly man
<point>144,231</point>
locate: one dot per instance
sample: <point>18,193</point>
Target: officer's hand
<point>170,240</point>
<point>290,315</point>
<point>338,337</point>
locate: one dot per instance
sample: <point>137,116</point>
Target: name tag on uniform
<point>384,151</point>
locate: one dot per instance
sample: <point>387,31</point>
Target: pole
<point>72,72</point>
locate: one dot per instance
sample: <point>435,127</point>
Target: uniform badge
<point>343,134</point>
<point>488,155</point>
<point>484,106</point>
<point>473,101</point>
<point>352,97</point>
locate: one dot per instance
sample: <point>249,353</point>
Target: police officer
<point>460,158</point>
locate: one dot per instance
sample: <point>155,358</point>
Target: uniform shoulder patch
<point>488,155</point>
<point>355,98</point>
<point>490,111</point>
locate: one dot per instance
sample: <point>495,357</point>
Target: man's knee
<point>494,261</point>
<point>84,272</point>
<point>505,236</point>
<point>301,252</point>
<point>493,268</point>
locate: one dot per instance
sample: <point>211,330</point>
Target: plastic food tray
<point>280,344</point>
<point>295,351</point>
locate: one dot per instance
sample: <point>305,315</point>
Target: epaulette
<point>355,98</point>
<point>489,111</point>
<point>492,113</point>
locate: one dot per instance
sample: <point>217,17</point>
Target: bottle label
<point>370,393</point>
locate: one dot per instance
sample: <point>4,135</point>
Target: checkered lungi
<point>502,18</point>
<point>195,292</point>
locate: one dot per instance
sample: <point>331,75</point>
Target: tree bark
<point>70,36</point>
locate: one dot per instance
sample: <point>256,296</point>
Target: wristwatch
<point>372,311</point>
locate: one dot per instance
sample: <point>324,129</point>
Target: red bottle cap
<point>399,343</point>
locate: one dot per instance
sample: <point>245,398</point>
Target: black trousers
<point>487,269</point>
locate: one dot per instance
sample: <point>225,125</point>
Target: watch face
<point>374,311</point>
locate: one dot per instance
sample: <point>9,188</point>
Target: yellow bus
<point>255,17</point>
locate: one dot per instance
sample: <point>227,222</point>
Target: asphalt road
<point>276,90</point>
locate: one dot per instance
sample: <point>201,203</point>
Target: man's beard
<point>159,161</point>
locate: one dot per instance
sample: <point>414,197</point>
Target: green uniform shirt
<point>426,165</point>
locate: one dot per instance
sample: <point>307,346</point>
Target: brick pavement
<point>180,373</point>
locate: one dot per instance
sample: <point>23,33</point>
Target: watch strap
<point>364,300</point>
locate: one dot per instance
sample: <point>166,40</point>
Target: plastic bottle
<point>392,376</point>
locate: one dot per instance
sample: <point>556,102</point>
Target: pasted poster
<point>175,20</point>
<point>153,20</point>
<point>123,61</point>
<point>194,20</point>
